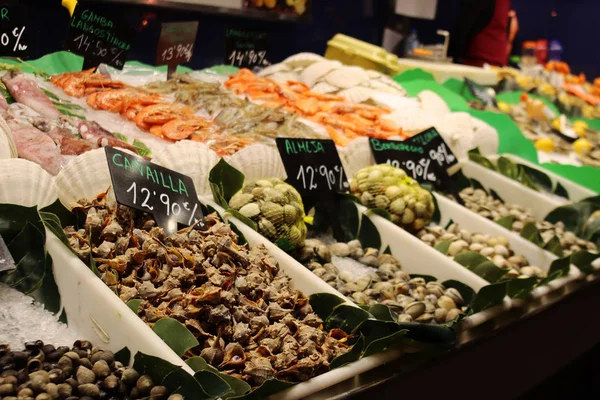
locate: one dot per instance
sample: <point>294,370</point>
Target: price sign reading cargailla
<point>312,166</point>
<point>176,43</point>
<point>14,33</point>
<point>99,37</point>
<point>168,195</point>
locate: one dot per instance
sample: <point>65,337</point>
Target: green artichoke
<point>275,207</point>
<point>389,188</point>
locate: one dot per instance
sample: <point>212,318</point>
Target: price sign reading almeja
<point>168,195</point>
<point>312,166</point>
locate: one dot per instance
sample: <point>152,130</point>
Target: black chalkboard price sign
<point>99,36</point>
<point>425,157</point>
<point>168,195</point>
<point>176,44</point>
<point>246,48</point>
<point>312,166</point>
<point>14,31</point>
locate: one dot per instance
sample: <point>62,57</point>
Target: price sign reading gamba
<point>99,37</point>
<point>14,31</point>
<point>168,195</point>
<point>312,166</point>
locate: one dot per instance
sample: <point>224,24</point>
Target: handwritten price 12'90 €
<point>99,48</point>
<point>334,177</point>
<point>16,34</point>
<point>171,207</point>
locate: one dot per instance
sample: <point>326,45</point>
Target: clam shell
<point>8,149</point>
<point>285,76</point>
<point>314,72</point>
<point>193,159</point>
<point>346,77</point>
<point>84,177</point>
<point>258,161</point>
<point>272,69</point>
<point>324,87</point>
<point>25,183</point>
<point>356,155</point>
<point>433,103</point>
<point>356,94</point>
<point>302,59</point>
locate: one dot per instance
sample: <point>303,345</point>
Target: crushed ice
<point>352,266</point>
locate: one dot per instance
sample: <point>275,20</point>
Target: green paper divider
<point>413,74</point>
<point>585,175</point>
<point>454,101</point>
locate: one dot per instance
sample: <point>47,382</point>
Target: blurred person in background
<point>484,32</point>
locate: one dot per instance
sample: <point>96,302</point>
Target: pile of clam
<point>479,201</point>
<point>43,372</point>
<point>495,248</point>
<point>369,277</point>
<point>249,321</point>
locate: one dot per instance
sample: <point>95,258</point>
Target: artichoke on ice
<point>275,207</point>
<point>389,188</point>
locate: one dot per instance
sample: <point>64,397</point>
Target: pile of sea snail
<point>382,281</point>
<point>485,205</point>
<point>249,321</point>
<point>494,248</point>
<point>44,372</point>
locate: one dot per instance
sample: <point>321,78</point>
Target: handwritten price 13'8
<point>179,51</point>
<point>250,56</point>
<point>171,208</point>
<point>333,177</point>
<point>16,34</point>
<point>418,171</point>
<point>99,48</point>
<point>441,155</point>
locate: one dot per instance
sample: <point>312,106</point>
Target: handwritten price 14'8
<point>333,177</point>
<point>179,51</point>
<point>100,48</point>
<point>418,171</point>
<point>171,208</point>
<point>5,39</point>
<point>252,57</point>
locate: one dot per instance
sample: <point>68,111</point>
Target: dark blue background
<point>576,26</point>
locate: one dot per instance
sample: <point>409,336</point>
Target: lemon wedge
<point>545,145</point>
<point>582,146</point>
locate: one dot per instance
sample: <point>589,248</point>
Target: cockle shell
<point>26,184</point>
<point>258,161</point>
<point>193,159</point>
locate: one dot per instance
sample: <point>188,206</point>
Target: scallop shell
<point>26,184</point>
<point>356,94</point>
<point>431,102</point>
<point>324,87</point>
<point>412,120</point>
<point>8,149</point>
<point>384,87</point>
<point>258,161</point>
<point>314,72</point>
<point>486,137</point>
<point>356,155</point>
<point>302,59</point>
<point>193,159</point>
<point>347,77</point>
<point>84,177</point>
<point>272,69</point>
<point>285,76</point>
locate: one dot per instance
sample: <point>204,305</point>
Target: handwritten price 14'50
<point>100,50</point>
<point>5,39</point>
<point>179,51</point>
<point>441,155</point>
<point>334,177</point>
<point>252,57</point>
<point>171,208</point>
<point>418,171</point>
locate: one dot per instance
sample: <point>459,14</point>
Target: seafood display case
<point>171,249</point>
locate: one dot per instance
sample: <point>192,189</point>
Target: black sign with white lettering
<point>246,48</point>
<point>99,36</point>
<point>168,195</point>
<point>312,166</point>
<point>176,43</point>
<point>14,31</point>
<point>6,261</point>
